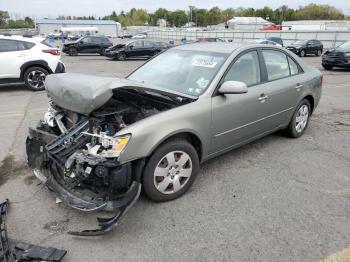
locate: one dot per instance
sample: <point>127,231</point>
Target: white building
<point>247,23</point>
<point>161,22</point>
<point>104,27</point>
<point>312,25</point>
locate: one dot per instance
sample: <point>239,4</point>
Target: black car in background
<point>305,47</point>
<point>275,39</point>
<point>87,45</point>
<point>138,48</point>
<point>337,57</point>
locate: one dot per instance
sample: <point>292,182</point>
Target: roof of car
<point>217,47</point>
<point>33,39</point>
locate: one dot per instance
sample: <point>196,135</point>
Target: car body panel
<point>338,57</point>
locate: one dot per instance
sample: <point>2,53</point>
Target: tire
<point>34,78</point>
<point>174,178</point>
<point>319,53</point>
<point>103,51</point>
<point>121,56</point>
<point>302,53</point>
<point>294,130</point>
<point>327,67</point>
<point>73,51</point>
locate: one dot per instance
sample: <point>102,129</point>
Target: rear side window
<point>8,45</point>
<point>97,40</point>
<point>245,69</point>
<point>276,64</point>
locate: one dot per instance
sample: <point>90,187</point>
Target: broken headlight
<point>113,146</point>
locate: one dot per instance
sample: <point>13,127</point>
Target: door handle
<point>263,98</point>
<point>298,86</point>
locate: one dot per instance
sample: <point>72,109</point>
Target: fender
<point>40,63</point>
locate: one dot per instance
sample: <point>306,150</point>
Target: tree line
<point>6,22</point>
<point>200,16</point>
<point>205,17</point>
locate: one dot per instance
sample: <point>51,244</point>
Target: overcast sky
<point>53,8</point>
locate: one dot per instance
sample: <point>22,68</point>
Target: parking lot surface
<point>277,199</point>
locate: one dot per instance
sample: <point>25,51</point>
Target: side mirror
<point>233,87</point>
<point>131,47</point>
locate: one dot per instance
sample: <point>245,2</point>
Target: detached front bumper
<point>45,169</point>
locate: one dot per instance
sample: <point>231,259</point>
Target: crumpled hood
<point>85,93</point>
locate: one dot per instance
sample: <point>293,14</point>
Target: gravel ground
<point>277,199</point>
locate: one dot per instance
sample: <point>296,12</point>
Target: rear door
<point>13,54</point>
<point>149,48</point>
<point>281,88</point>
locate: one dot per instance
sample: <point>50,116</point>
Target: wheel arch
<point>191,137</point>
<point>36,63</point>
<point>311,100</point>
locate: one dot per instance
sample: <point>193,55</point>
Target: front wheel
<point>73,51</point>
<point>170,171</point>
<point>34,78</point>
<point>300,120</point>
<point>327,67</point>
<point>121,56</point>
<point>302,53</point>
<point>319,53</point>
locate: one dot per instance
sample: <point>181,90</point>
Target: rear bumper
<point>46,170</point>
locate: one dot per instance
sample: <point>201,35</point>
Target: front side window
<point>87,40</point>
<point>184,71</point>
<point>246,69</point>
<point>276,64</point>
<point>8,45</point>
<point>148,44</point>
<point>137,44</point>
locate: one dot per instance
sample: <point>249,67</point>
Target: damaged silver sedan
<point>102,138</point>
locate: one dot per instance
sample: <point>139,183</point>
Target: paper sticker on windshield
<point>202,83</point>
<point>204,63</point>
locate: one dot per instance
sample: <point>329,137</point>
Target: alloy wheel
<point>302,118</point>
<point>36,79</point>
<point>173,172</point>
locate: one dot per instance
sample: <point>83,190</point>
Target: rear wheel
<point>170,171</point>
<point>73,51</point>
<point>319,53</point>
<point>34,78</point>
<point>300,119</point>
<point>302,53</point>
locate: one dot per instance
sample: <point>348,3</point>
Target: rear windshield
<point>45,42</point>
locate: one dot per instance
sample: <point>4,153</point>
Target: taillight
<point>165,46</point>
<point>52,51</point>
<point>321,79</point>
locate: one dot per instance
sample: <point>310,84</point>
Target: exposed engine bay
<point>76,155</point>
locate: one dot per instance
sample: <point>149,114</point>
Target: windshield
<point>300,42</point>
<point>345,45</point>
<point>187,72</point>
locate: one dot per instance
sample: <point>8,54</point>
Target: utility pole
<point>191,10</point>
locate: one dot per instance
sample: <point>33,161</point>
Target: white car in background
<point>29,60</point>
<point>139,36</point>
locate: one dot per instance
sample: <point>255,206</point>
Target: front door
<point>237,118</point>
<point>135,49</point>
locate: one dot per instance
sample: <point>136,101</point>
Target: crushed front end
<point>76,156</point>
